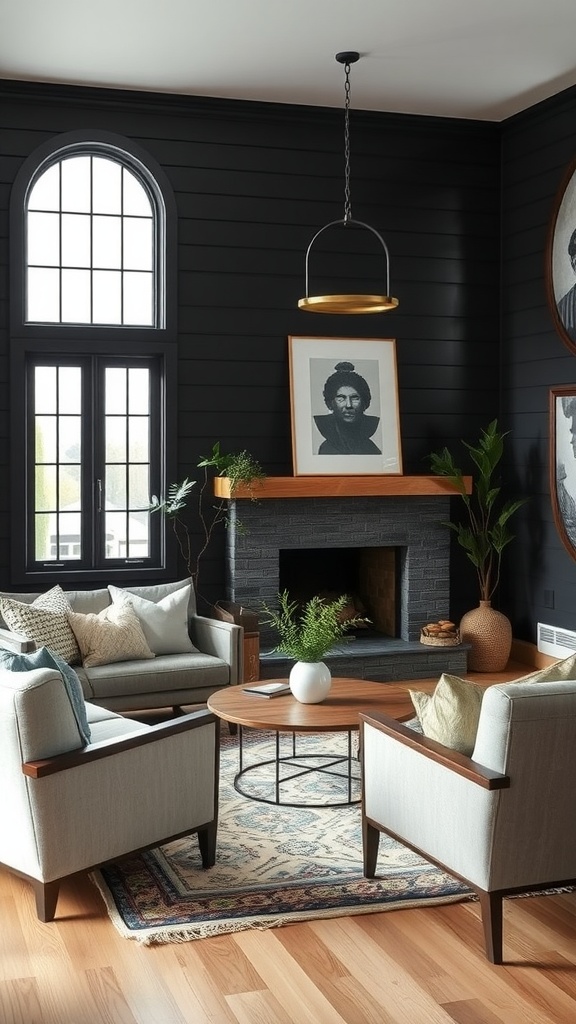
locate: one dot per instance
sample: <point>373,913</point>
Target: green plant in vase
<point>306,634</point>
<point>483,537</point>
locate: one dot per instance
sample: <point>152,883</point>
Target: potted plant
<point>483,537</point>
<point>240,467</point>
<point>306,634</point>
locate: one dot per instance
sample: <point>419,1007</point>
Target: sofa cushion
<point>107,725</point>
<point>450,715</point>
<point>45,621</point>
<point>111,636</point>
<point>44,658</point>
<point>164,622</point>
<point>157,591</point>
<point>166,675</point>
<point>86,601</point>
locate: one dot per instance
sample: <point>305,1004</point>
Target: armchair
<point>68,805</point>
<point>501,820</point>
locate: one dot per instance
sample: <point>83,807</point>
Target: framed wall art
<point>560,271</point>
<point>344,406</point>
<point>563,463</point>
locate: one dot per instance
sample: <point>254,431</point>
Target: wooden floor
<point>418,966</point>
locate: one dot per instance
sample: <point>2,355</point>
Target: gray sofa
<point>164,679</point>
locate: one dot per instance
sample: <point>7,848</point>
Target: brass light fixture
<point>348,303</point>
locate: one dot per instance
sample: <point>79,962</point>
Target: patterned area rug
<point>274,865</point>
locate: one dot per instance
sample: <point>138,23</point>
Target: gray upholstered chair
<point>69,805</point>
<point>502,820</point>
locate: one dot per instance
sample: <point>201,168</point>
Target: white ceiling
<point>484,59</point>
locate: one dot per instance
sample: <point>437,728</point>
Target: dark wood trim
<point>452,759</point>
<point>96,751</point>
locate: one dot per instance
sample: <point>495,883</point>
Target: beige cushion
<point>45,621</point>
<point>556,673</point>
<point>450,715</point>
<point>114,634</point>
<point>164,622</point>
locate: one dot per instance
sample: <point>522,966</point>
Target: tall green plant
<point>239,467</point>
<point>487,532</point>
<point>307,633</point>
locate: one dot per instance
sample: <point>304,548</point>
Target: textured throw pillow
<point>164,623</point>
<point>450,715</point>
<point>115,634</point>
<point>43,658</point>
<point>556,673</point>
<point>45,621</point>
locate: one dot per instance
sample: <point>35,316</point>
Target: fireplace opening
<point>369,575</point>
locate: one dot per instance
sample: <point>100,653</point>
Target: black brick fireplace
<point>408,524</point>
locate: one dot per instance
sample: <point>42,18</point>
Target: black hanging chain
<point>347,199</point>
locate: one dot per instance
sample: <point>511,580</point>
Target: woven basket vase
<point>489,634</point>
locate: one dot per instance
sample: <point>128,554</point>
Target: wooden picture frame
<point>560,270</point>
<point>344,406</point>
<point>563,463</point>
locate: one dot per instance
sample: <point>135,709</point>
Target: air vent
<point>559,643</point>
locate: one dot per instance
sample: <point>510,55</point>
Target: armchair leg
<point>370,844</point>
<point>46,894</point>
<point>491,908</point>
<point>207,844</point>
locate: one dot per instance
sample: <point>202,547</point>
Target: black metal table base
<point>330,762</point>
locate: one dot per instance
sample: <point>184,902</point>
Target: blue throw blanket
<point>43,658</point>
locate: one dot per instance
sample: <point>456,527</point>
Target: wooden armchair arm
<point>95,751</point>
<point>451,759</point>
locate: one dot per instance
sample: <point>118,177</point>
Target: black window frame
<point>51,342</point>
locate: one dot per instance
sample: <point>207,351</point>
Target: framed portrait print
<point>563,463</point>
<point>561,260</point>
<point>344,406</point>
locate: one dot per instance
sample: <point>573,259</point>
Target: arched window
<point>93,359</point>
<point>93,243</point>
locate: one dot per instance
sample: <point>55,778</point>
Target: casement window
<point>93,357</point>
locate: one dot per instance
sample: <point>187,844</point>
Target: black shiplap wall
<point>253,182</point>
<point>538,146</point>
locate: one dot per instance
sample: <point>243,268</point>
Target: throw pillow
<point>45,621</point>
<point>164,623</point>
<point>556,673</point>
<point>114,634</point>
<point>450,715</point>
<point>43,658</point>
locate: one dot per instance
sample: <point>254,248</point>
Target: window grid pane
<point>103,221</point>
<point>57,457</point>
<point>127,468</point>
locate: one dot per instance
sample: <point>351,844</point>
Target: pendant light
<point>348,303</point>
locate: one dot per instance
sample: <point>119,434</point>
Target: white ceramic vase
<point>310,681</point>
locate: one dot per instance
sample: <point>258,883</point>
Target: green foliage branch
<point>306,633</point>
<point>487,532</point>
<point>240,468</point>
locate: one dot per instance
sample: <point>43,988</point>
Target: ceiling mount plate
<point>348,57</point>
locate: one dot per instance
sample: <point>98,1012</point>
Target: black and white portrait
<point>344,406</point>
<point>563,463</point>
<point>561,261</point>
<point>347,428</point>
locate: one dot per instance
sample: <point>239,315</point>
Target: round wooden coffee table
<point>337,713</point>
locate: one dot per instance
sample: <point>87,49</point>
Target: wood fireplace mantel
<point>389,485</point>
